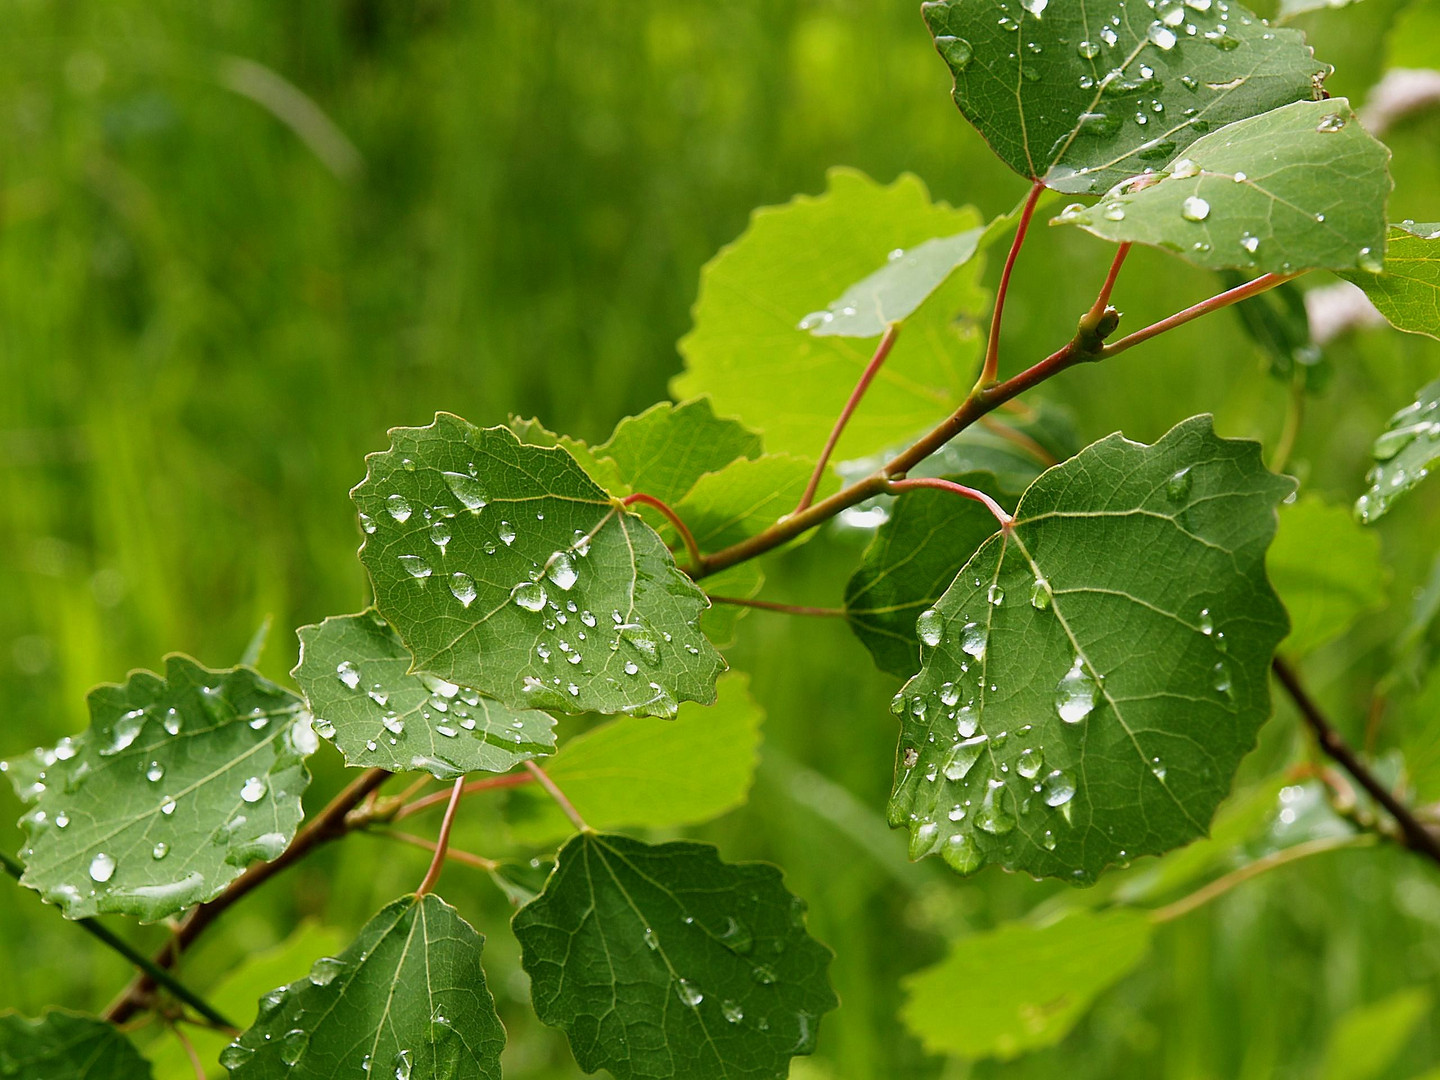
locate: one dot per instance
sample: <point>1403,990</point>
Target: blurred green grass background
<point>239,240</point>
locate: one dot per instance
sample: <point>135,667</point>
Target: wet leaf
<point>1052,975</point>
<point>1093,677</point>
<point>640,772</point>
<point>1084,96</point>
<point>747,352</point>
<point>503,567</point>
<point>1299,188</point>
<point>662,961</point>
<point>407,1000</point>
<point>1407,292</point>
<point>67,1046</point>
<point>1403,454</point>
<point>354,672</point>
<point>177,785</point>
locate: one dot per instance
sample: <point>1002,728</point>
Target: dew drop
<point>956,51</point>
<point>963,757</point>
<point>1207,622</point>
<point>398,507</point>
<point>1194,208</point>
<point>993,815</point>
<point>930,627</point>
<point>1040,594</point>
<point>292,1045</point>
<point>1161,36</point>
<point>155,772</point>
<point>529,595</point>
<point>560,568</point>
<point>1088,50</point>
<point>1178,486</point>
<point>440,535</point>
<point>995,594</point>
<point>1368,261</point>
<point>1075,693</point>
<point>415,566</point>
<point>462,587</point>
<point>1057,789</point>
<point>732,1011</point>
<point>160,850</point>
<point>467,489</point>
<point>167,806</point>
<point>102,868</point>
<point>506,533</point>
<point>1158,768</point>
<point>1114,212</point>
<point>253,790</point>
<point>1220,677</point>
<point>689,993</point>
<point>1250,243</point>
<point>348,674</point>
<point>1029,763</point>
<point>972,640</point>
<point>1330,122</point>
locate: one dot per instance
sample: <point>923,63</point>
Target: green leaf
<point>662,961</point>
<point>354,672</point>
<point>1013,447</point>
<point>912,560</point>
<point>1414,40</point>
<point>1299,188</point>
<point>1095,674</point>
<point>747,353</point>
<point>892,293</point>
<point>1407,292</point>
<point>1403,454</point>
<point>1417,719</point>
<point>1327,570</point>
<point>743,581</point>
<point>667,448</point>
<point>67,1046</point>
<point>1367,1040</point>
<point>177,785</point>
<point>1051,975</point>
<point>1291,8</point>
<point>497,563</point>
<point>644,773</point>
<point>745,497</point>
<point>1083,96</point>
<point>408,998</point>
<point>603,471</point>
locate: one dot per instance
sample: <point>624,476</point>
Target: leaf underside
<point>1093,676</point>
<point>663,961</point>
<point>1407,292</point>
<point>1403,454</point>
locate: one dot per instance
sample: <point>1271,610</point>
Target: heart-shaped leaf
<point>1083,96</point>
<point>503,567</point>
<point>1096,672</point>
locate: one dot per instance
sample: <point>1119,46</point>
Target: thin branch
<point>507,780</point>
<point>784,609</point>
<point>189,1047</point>
<point>1223,300</point>
<point>328,825</point>
<point>892,331</point>
<point>1102,301</point>
<point>990,372</point>
<point>477,861</point>
<point>896,487</point>
<point>1220,886</point>
<point>438,862</point>
<point>1417,837</point>
<point>691,548</point>
<point>559,796</point>
<point>100,933</point>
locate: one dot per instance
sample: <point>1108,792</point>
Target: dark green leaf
<point>912,560</point>
<point>177,785</point>
<point>407,1000</point>
<point>503,567</point>
<point>1094,675</point>
<point>1403,454</point>
<point>667,448</point>
<point>603,471</point>
<point>354,672</point>
<point>964,1005</point>
<point>1083,96</point>
<point>1295,189</point>
<point>1327,570</point>
<point>747,352</point>
<point>1407,292</point>
<point>646,773</point>
<point>66,1046</point>
<point>662,961</point>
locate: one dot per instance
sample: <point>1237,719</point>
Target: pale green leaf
<point>503,567</point>
<point>1291,8</point>
<point>66,1046</point>
<point>1366,1041</point>
<point>745,497</point>
<point>1407,292</point>
<point>667,448</point>
<point>355,674</point>
<point>1021,987</point>
<point>1328,572</point>
<point>176,786</point>
<point>407,999</point>
<point>661,961</point>
<point>743,581</point>
<point>1093,677</point>
<point>646,773</point>
<point>1403,454</point>
<point>1299,188</point>
<point>747,352</point>
<point>1085,95</point>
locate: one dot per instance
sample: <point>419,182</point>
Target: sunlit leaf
<point>176,786</point>
<point>667,448</point>
<point>646,773</point>
<point>1295,189</point>
<point>1403,453</point>
<point>1093,677</point>
<point>745,497</point>
<point>1085,95</point>
<point>1291,8</point>
<point>1328,572</point>
<point>407,1000</point>
<point>503,567</point>
<point>1365,1041</point>
<point>67,1046</point>
<point>747,352</point>
<point>1051,974</point>
<point>662,961</point>
<point>1407,292</point>
<point>355,674</point>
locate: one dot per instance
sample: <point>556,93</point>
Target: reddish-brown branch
<point>559,796</point>
<point>686,536</point>
<point>1261,284</point>
<point>437,864</point>
<point>784,609</point>
<point>990,372</point>
<point>871,370</point>
<point>896,487</point>
<point>451,853</point>
<point>1102,301</point>
<point>508,780</point>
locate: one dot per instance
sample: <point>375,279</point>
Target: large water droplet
<point>1075,693</point>
<point>292,1045</point>
<point>440,535</point>
<point>962,853</point>
<point>1040,594</point>
<point>1194,208</point>
<point>561,570</point>
<point>402,1065</point>
<point>930,627</point>
<point>994,815</point>
<point>956,51</point>
<point>415,566</point>
<point>963,757</point>
<point>1029,763</point>
<point>462,587</point>
<point>467,489</point>
<point>1057,789</point>
<point>689,993</point>
<point>1161,36</point>
<point>1088,50</point>
<point>324,970</point>
<point>253,790</point>
<point>348,674</point>
<point>155,772</point>
<point>506,533</point>
<point>1368,261</point>
<point>972,640</point>
<point>732,1011</point>
<point>398,507</point>
<point>529,595</point>
<point>1178,486</point>
<point>102,867</point>
<point>1330,122</point>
